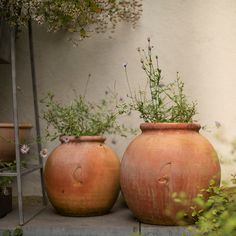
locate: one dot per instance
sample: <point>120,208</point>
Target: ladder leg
<point>16,127</point>
<point>36,110</point>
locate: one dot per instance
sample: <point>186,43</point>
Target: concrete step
<point>119,222</point>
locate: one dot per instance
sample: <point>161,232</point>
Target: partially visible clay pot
<point>166,158</point>
<point>7,139</point>
<point>82,176</point>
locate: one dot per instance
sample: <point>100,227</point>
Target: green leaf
<point>6,233</point>
<point>18,232</point>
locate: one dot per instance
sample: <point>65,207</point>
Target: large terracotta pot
<point>7,139</point>
<point>82,176</point>
<point>166,158</point>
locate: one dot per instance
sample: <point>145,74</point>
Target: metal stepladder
<point>39,167</point>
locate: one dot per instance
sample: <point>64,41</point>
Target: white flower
<point>40,19</point>
<point>24,149</point>
<point>65,139</point>
<point>44,153</point>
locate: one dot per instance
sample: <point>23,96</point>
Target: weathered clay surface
<point>82,176</point>
<point>164,159</point>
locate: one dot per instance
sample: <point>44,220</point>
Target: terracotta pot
<point>5,201</point>
<point>82,176</point>
<point>166,158</point>
<point>7,139</point>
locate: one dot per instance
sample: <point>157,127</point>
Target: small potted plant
<point>5,196</point>
<point>5,188</point>
<point>82,173</point>
<point>169,155</point>
<point>6,181</point>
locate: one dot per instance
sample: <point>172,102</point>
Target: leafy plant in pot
<point>6,181</point>
<point>5,188</point>
<point>82,173</point>
<point>169,155</point>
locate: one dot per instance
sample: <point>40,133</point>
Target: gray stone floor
<point>119,222</point>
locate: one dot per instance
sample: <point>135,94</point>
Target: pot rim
<point>11,125</point>
<point>83,138</point>
<point>170,126</point>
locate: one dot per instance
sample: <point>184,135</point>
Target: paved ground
<point>119,222</point>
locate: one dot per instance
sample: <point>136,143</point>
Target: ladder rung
<point>24,171</point>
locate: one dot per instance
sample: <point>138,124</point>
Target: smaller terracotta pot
<point>82,176</point>
<point>7,139</point>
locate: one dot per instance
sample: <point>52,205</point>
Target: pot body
<point>82,176</point>
<point>166,158</point>
<point>7,139</point>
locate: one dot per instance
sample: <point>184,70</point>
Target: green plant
<point>16,232</point>
<point>159,102</point>
<point>82,117</point>
<point>213,210</point>
<point>83,16</point>
<point>216,216</point>
<point>17,12</point>
<point>5,181</point>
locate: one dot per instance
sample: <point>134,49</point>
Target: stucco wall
<point>195,37</point>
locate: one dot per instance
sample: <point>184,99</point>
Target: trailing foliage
<point>80,15</point>
<point>82,117</point>
<point>160,102</point>
<point>17,12</point>
<point>83,16</point>
<point>217,216</point>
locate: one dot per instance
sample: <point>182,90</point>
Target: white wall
<point>195,37</point>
